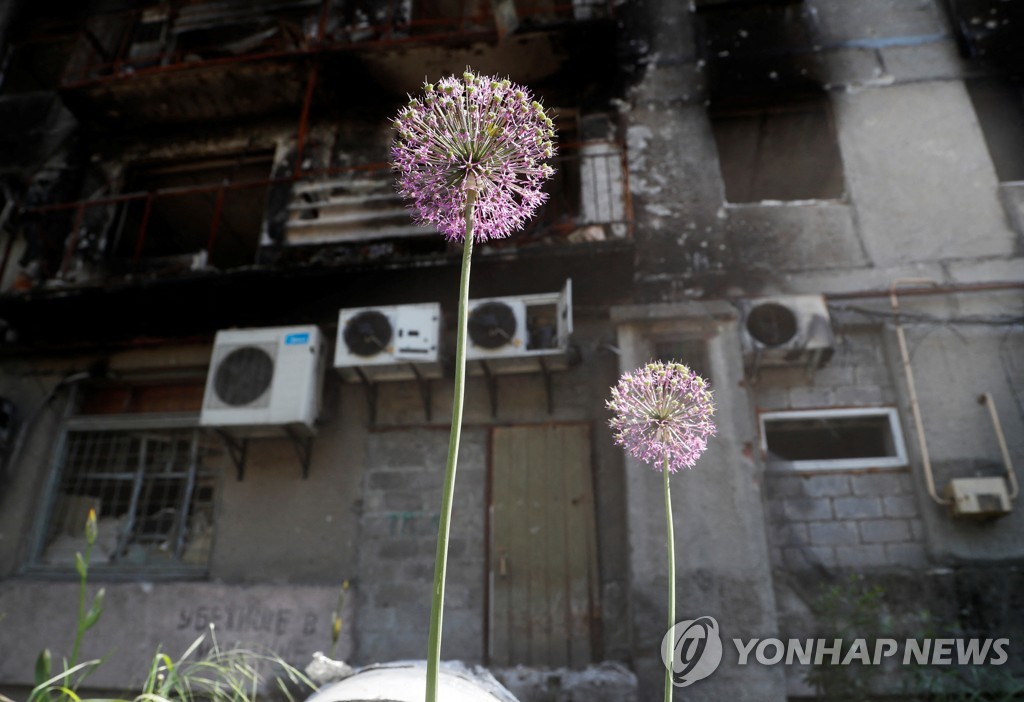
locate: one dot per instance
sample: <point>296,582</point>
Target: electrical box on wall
<point>389,343</point>
<point>260,379</point>
<point>515,331</point>
<point>785,330</point>
<point>978,497</point>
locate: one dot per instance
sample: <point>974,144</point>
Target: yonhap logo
<point>692,650</point>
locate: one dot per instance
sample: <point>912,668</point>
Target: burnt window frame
<point>165,427</point>
<point>765,108</point>
<point>898,459</point>
<point>1008,94</point>
<point>148,207</point>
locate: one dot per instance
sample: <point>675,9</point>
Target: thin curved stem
<point>444,523</point>
<point>671,573</point>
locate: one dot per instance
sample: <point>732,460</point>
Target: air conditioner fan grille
<point>243,376</point>
<point>492,325</point>
<point>772,324</point>
<point>368,333</point>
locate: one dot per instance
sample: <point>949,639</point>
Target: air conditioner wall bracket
<point>371,390</point>
<point>491,378</point>
<point>238,450</point>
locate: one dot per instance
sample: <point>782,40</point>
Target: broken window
<point>786,150</point>
<point>587,194</point>
<point>357,203</point>
<point>999,105</point>
<point>752,49</point>
<point>152,490</point>
<point>691,352</point>
<point>988,31</point>
<point>849,438</point>
<point>193,213</point>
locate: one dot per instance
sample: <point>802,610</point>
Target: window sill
<point>101,574</point>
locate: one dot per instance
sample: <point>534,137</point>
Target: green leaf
<point>69,692</point>
<point>81,566</point>
<point>93,615</point>
<point>44,664</point>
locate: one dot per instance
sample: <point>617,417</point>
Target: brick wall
<point>841,519</point>
<point>398,541</point>
<point>844,520</point>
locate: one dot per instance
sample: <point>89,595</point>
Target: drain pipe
<point>908,372</point>
<point>1011,475</point>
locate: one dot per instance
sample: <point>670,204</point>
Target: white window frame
<point>899,460</point>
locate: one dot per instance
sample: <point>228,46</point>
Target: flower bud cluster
<point>473,133</point>
<point>662,411</point>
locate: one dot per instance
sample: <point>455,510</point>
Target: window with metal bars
<point>153,492</point>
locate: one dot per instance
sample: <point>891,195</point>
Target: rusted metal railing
<point>588,201</point>
<point>173,36</point>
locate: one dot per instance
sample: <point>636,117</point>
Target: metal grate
<point>153,493</point>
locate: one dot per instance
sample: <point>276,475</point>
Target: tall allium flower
<point>663,415</point>
<point>473,133</point>
<point>468,154</point>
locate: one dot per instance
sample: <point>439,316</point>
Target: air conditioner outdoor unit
<point>978,497</point>
<point>262,379</point>
<point>786,330</point>
<point>383,343</point>
<point>524,327</point>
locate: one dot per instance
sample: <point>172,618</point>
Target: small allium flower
<point>663,410</point>
<point>474,132</point>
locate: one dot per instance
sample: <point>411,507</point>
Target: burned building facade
<point>817,204</point>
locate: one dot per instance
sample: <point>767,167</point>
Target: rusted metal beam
<point>307,101</point>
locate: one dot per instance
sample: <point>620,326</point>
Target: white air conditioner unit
<point>978,497</point>
<point>786,330</point>
<point>383,343</point>
<point>524,327</point>
<point>262,379</point>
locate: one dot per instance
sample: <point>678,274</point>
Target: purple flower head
<point>663,410</point>
<point>473,133</point>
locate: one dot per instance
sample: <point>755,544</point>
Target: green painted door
<point>543,550</point>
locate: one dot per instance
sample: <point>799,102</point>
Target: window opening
<point>781,152</point>
<point>153,492</point>
<point>691,352</point>
<point>200,212</point>
<point>837,438</point>
<point>999,105</point>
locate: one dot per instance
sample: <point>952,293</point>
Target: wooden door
<point>543,548</point>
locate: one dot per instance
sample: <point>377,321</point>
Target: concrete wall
<point>398,542</point>
<point>921,201</point>
<point>141,619</point>
<point>367,513</point>
<point>841,519</point>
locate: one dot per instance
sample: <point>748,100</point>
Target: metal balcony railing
<point>178,35</point>
<point>225,224</point>
<point>587,202</point>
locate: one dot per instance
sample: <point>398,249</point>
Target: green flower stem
<point>83,567</point>
<point>444,523</point>
<point>671,575</point>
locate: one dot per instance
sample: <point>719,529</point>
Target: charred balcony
<point>203,217</point>
<point>188,61</point>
